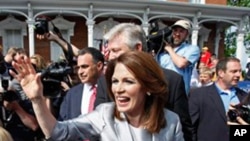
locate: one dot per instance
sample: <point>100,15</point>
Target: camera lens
<point>242,111</point>
<point>41,26</point>
<point>232,114</point>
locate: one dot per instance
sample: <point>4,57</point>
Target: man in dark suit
<point>127,37</point>
<point>90,63</point>
<point>208,106</point>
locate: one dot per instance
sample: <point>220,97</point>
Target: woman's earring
<point>148,93</point>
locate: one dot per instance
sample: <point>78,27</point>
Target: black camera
<point>2,65</point>
<point>41,26</point>
<point>5,82</point>
<point>157,37</point>
<point>7,95</point>
<point>4,85</point>
<point>242,111</point>
<point>52,77</point>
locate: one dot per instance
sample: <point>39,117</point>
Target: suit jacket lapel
<point>213,94</point>
<point>123,131</point>
<point>78,99</point>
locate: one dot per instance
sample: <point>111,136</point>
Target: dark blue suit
<point>208,113</point>
<point>71,105</point>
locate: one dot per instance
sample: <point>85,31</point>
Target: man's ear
<point>220,73</point>
<point>100,65</point>
<point>138,47</point>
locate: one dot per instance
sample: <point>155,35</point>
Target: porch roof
<point>125,8</point>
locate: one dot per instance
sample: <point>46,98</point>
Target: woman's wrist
<point>37,99</point>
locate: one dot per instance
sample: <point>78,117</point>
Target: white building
<point>95,17</point>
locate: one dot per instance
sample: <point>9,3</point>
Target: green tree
<point>230,43</point>
<point>230,36</point>
<point>240,3</point>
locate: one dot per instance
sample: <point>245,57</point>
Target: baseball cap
<point>182,23</point>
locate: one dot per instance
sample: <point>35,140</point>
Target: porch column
<point>145,27</point>
<point>31,37</point>
<point>240,49</point>
<point>90,24</point>
<point>145,24</point>
<point>31,23</point>
<point>195,36</point>
<point>217,40</point>
<point>195,29</point>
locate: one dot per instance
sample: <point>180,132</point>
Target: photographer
<point>57,79</point>
<point>178,54</point>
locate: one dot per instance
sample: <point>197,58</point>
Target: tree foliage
<point>240,3</point>
<point>230,37</point>
<point>230,43</point>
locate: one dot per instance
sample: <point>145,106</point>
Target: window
<point>198,1</point>
<point>55,49</point>
<point>12,32</point>
<point>12,38</point>
<point>67,29</point>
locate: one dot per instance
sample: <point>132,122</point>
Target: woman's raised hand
<point>28,78</point>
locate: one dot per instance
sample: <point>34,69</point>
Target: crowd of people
<point>125,93</point>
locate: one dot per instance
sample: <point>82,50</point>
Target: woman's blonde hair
<point>41,63</point>
<point>5,135</point>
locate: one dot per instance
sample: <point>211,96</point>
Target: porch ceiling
<point>136,7</point>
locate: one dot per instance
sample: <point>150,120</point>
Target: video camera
<point>242,111</point>
<point>157,37</point>
<point>52,77</point>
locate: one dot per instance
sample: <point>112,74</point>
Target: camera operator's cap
<point>182,23</point>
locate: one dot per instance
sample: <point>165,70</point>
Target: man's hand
<point>49,36</point>
<point>11,106</point>
<point>239,120</point>
<point>168,47</point>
